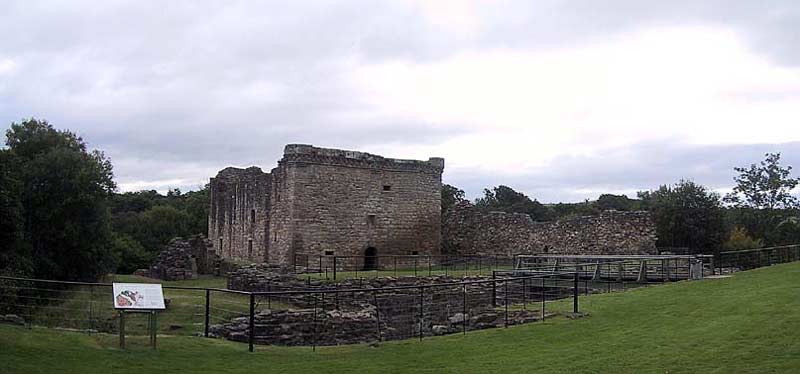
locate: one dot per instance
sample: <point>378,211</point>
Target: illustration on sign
<point>138,296</point>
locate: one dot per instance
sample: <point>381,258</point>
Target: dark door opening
<point>371,259</point>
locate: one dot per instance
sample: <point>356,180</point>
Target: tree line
<point>759,211</point>
<point>62,217</point>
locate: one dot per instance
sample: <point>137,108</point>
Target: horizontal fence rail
<point>729,261</point>
<point>324,316</point>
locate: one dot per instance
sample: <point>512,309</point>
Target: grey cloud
<point>643,166</point>
<point>180,89</point>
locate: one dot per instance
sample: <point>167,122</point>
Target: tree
<point>764,186</point>
<point>64,201</point>
<point>505,199</point>
<point>615,202</point>
<point>686,215</point>
<point>451,196</point>
<point>14,253</point>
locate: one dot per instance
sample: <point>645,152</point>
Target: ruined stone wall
<point>185,259</point>
<point>327,201</point>
<point>468,231</point>
<point>345,202</point>
<point>238,224</point>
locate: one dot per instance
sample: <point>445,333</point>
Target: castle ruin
<point>321,201</point>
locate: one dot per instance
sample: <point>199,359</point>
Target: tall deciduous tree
<point>505,199</point>
<point>451,195</point>
<point>767,185</point>
<point>686,215</point>
<point>65,190</point>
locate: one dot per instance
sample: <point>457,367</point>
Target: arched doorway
<point>371,259</point>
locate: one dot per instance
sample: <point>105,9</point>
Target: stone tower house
<point>321,201</point>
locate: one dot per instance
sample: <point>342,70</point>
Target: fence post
<point>334,267</point>
<point>524,296</point>
<point>429,265</point>
<point>252,321</point>
<point>377,313</point>
<point>415,266</point>
<point>494,290</point>
<point>505,291</point>
<point>421,296</point>
<point>575,294</point>
<point>464,309</point>
<point>208,305</point>
<point>121,329</point>
<point>544,297</point>
<point>395,265</point>
<point>314,336</point>
<point>91,307</point>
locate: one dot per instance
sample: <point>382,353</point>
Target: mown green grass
<point>87,307</point>
<point>749,323</point>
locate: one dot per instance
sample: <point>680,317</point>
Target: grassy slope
<point>748,323</point>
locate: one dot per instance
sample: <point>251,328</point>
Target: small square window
<point>387,187</point>
<point>371,219</point>
<point>328,253</point>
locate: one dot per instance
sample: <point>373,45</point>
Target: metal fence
<point>329,316</point>
<point>729,261</point>
<point>336,267</point>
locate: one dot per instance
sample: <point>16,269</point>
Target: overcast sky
<point>562,100</point>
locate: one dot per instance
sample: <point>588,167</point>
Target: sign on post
<point>147,296</point>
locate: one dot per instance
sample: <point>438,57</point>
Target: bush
<point>739,239</point>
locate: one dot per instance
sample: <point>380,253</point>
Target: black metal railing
<point>729,261</point>
<point>327,316</point>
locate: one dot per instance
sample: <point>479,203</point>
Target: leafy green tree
<point>505,199</point>
<point>129,254</point>
<point>64,200</point>
<point>764,186</point>
<point>686,215</point>
<point>161,223</point>
<point>14,252</point>
<point>451,196</point>
<point>616,202</point>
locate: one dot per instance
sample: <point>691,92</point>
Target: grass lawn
<point>87,307</point>
<point>749,323</point>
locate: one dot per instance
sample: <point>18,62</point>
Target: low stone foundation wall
<point>368,310</point>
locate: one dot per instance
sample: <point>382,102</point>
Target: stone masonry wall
<point>468,231</point>
<point>238,224</point>
<point>185,259</point>
<point>327,201</point>
<point>345,202</point>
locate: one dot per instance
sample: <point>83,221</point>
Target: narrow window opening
<point>250,249</point>
<point>253,216</point>
<point>371,219</point>
<point>387,187</point>
<point>414,253</point>
<point>328,253</point>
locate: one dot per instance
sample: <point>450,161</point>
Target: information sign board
<point>138,296</point>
